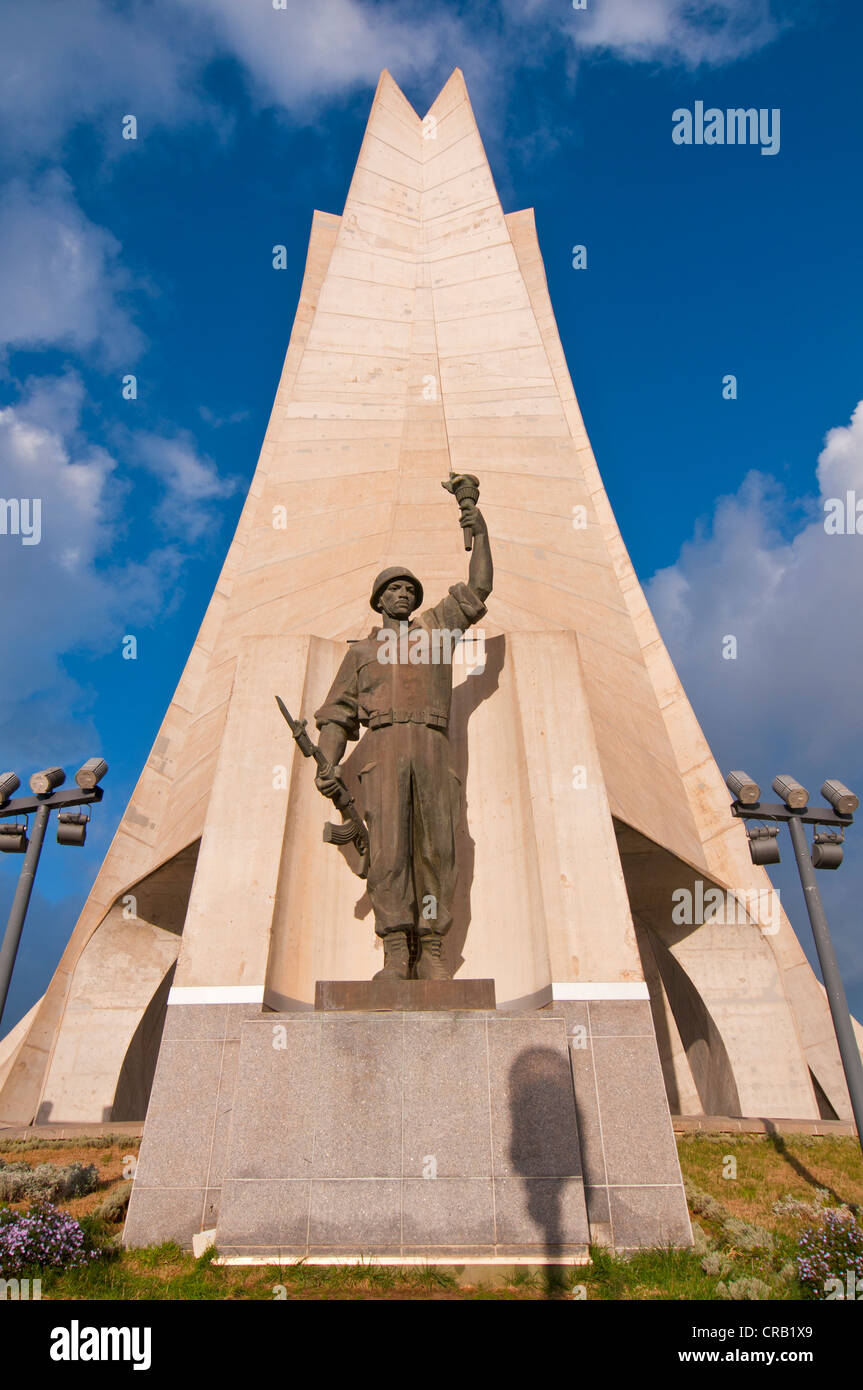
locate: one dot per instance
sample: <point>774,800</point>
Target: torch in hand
<point>465,489</point>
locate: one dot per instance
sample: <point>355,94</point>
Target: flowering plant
<point>42,1236</point>
<point>830,1250</point>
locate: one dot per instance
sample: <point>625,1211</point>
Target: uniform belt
<point>406,716</point>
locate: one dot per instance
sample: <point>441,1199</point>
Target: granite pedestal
<point>451,1136</point>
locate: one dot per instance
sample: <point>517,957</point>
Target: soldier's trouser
<point>411,799</point>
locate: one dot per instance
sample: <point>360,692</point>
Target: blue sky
<point>153,257</point>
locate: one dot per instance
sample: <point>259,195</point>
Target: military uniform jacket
<point>388,678</point>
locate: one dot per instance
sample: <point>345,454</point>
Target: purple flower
<point>43,1236</point>
<point>830,1250</point>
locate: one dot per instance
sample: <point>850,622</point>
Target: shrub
<point>829,1250</point>
<point>61,1184</point>
<point>42,1236</point>
<point>703,1204</point>
<point>114,1206</point>
<point>701,1242</point>
<point>750,1289</point>
<point>788,1205</point>
<point>12,1177</point>
<point>19,1181</point>
<point>743,1236</point>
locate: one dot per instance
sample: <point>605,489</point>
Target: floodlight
<point>763,844</point>
<point>827,850</point>
<point>42,783</point>
<point>71,827</point>
<point>91,774</point>
<point>743,789</point>
<point>794,796</point>
<point>843,801</point>
<point>9,783</point>
<point>13,838</point>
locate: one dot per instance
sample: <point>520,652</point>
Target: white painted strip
<point>216,994</point>
<point>598,989</point>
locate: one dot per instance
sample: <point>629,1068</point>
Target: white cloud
<point>61,276</point>
<point>190,480</point>
<point>216,421</point>
<point>75,492</point>
<point>93,62</point>
<point>791,702</point>
<point>840,463</point>
<point>676,31</point>
<point>793,604</point>
<point>302,57</point>
<point>66,593</point>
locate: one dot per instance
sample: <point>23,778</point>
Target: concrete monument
<point>584,798</point>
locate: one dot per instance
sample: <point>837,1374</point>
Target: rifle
<point>353,832</point>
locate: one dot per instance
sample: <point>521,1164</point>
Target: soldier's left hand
<point>328,782</point>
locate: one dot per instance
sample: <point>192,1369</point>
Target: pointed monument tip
<point>387,83</point>
<point>453,91</point>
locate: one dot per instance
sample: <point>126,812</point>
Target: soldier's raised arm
<point>481,572</point>
<point>465,489</point>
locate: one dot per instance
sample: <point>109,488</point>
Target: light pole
<point>826,854</point>
<point>72,830</point>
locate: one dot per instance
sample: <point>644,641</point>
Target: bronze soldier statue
<point>398,682</point>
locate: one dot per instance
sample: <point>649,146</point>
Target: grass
<point>734,1184</point>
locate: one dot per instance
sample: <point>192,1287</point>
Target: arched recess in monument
<point>139,1066</point>
<point>723,988</point>
<point>825,1109</point>
<point>115,1007</point>
<point>686,1035</point>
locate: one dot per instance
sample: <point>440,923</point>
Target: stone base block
<point>445,1135</point>
<point>458,1136</point>
<point>389,996</point>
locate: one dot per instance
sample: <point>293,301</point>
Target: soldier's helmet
<point>386,577</point>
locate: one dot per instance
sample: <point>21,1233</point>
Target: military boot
<point>431,964</point>
<point>396,957</point>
